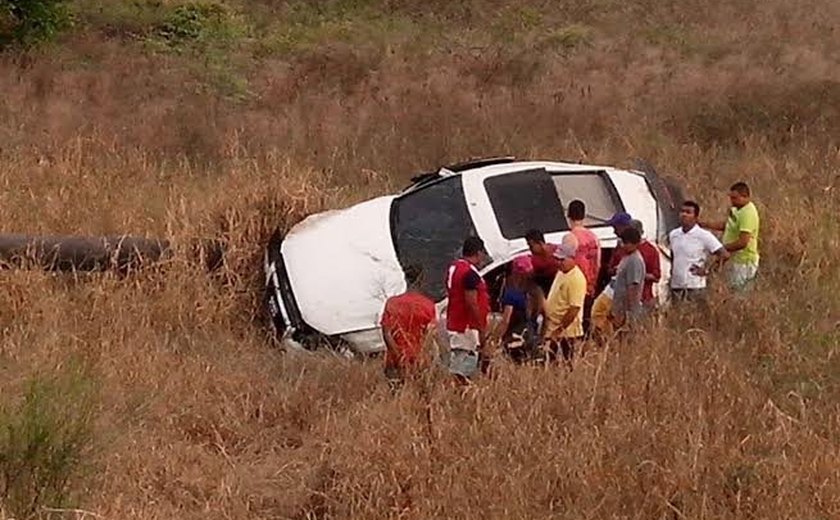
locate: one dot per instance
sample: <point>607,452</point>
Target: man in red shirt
<point>649,252</point>
<point>466,314</point>
<point>544,263</point>
<point>407,321</point>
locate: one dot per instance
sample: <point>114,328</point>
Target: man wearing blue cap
<point>650,254</point>
<point>620,221</point>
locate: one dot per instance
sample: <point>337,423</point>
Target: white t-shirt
<point>688,249</point>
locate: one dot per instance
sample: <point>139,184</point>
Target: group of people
<point>552,300</point>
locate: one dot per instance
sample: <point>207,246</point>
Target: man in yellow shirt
<point>740,237</point>
<point>563,324</point>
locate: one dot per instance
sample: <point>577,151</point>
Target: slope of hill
<point>161,395</point>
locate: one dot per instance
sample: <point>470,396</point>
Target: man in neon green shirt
<point>740,237</point>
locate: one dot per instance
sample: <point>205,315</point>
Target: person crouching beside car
<point>408,320</point>
<point>515,332</point>
<point>466,313</point>
<point>542,259</point>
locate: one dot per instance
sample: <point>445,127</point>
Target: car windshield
<point>429,226</point>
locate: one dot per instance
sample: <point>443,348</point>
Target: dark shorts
<point>395,376</point>
<point>565,347</point>
<point>690,295</point>
<point>588,301</point>
<point>521,345</point>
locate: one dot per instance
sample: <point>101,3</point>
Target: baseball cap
<point>620,219</point>
<point>523,264</point>
<point>563,251</point>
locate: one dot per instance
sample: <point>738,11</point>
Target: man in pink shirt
<point>588,255</point>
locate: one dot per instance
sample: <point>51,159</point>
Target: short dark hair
<point>535,235</point>
<point>630,235</point>
<point>742,188</point>
<point>693,205</point>
<point>472,246</point>
<point>413,274</point>
<point>577,210</point>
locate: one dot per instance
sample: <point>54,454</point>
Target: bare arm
<point>598,259</point>
<point>475,314</point>
<point>505,323</point>
<point>655,269</point>
<point>721,255</point>
<point>715,225</point>
<point>390,344</point>
<point>741,243</point>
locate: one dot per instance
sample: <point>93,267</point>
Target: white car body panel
<point>359,239</point>
<point>320,252</point>
<point>639,202</point>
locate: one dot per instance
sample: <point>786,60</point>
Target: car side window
<point>524,200</point>
<point>601,199</point>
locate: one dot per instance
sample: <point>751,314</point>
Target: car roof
<point>516,166</point>
<point>504,166</point>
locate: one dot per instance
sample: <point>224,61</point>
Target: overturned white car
<point>328,278</point>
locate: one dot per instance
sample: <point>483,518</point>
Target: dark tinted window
<point>430,226</point>
<point>525,200</point>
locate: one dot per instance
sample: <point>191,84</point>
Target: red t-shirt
<point>462,277</point>
<point>650,254</point>
<point>407,316</point>
<point>587,255</point>
<point>545,268</point>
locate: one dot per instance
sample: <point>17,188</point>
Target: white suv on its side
<point>327,279</point>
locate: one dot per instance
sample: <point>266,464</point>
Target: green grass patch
<point>304,26</point>
<point>45,438</point>
<point>202,27</point>
<point>566,40</point>
<point>134,18</point>
<point>28,23</point>
<point>689,43</point>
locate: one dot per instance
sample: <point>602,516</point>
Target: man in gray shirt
<point>629,280</point>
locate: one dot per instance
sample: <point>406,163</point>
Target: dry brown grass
<point>730,415</point>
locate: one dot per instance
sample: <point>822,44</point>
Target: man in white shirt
<point>691,245</point>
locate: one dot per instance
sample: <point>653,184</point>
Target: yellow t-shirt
<point>740,220</point>
<point>568,290</point>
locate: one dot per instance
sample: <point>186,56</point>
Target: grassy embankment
<point>161,397</point>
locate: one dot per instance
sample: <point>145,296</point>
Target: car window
<point>525,200</point>
<point>594,189</point>
<point>429,227</point>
